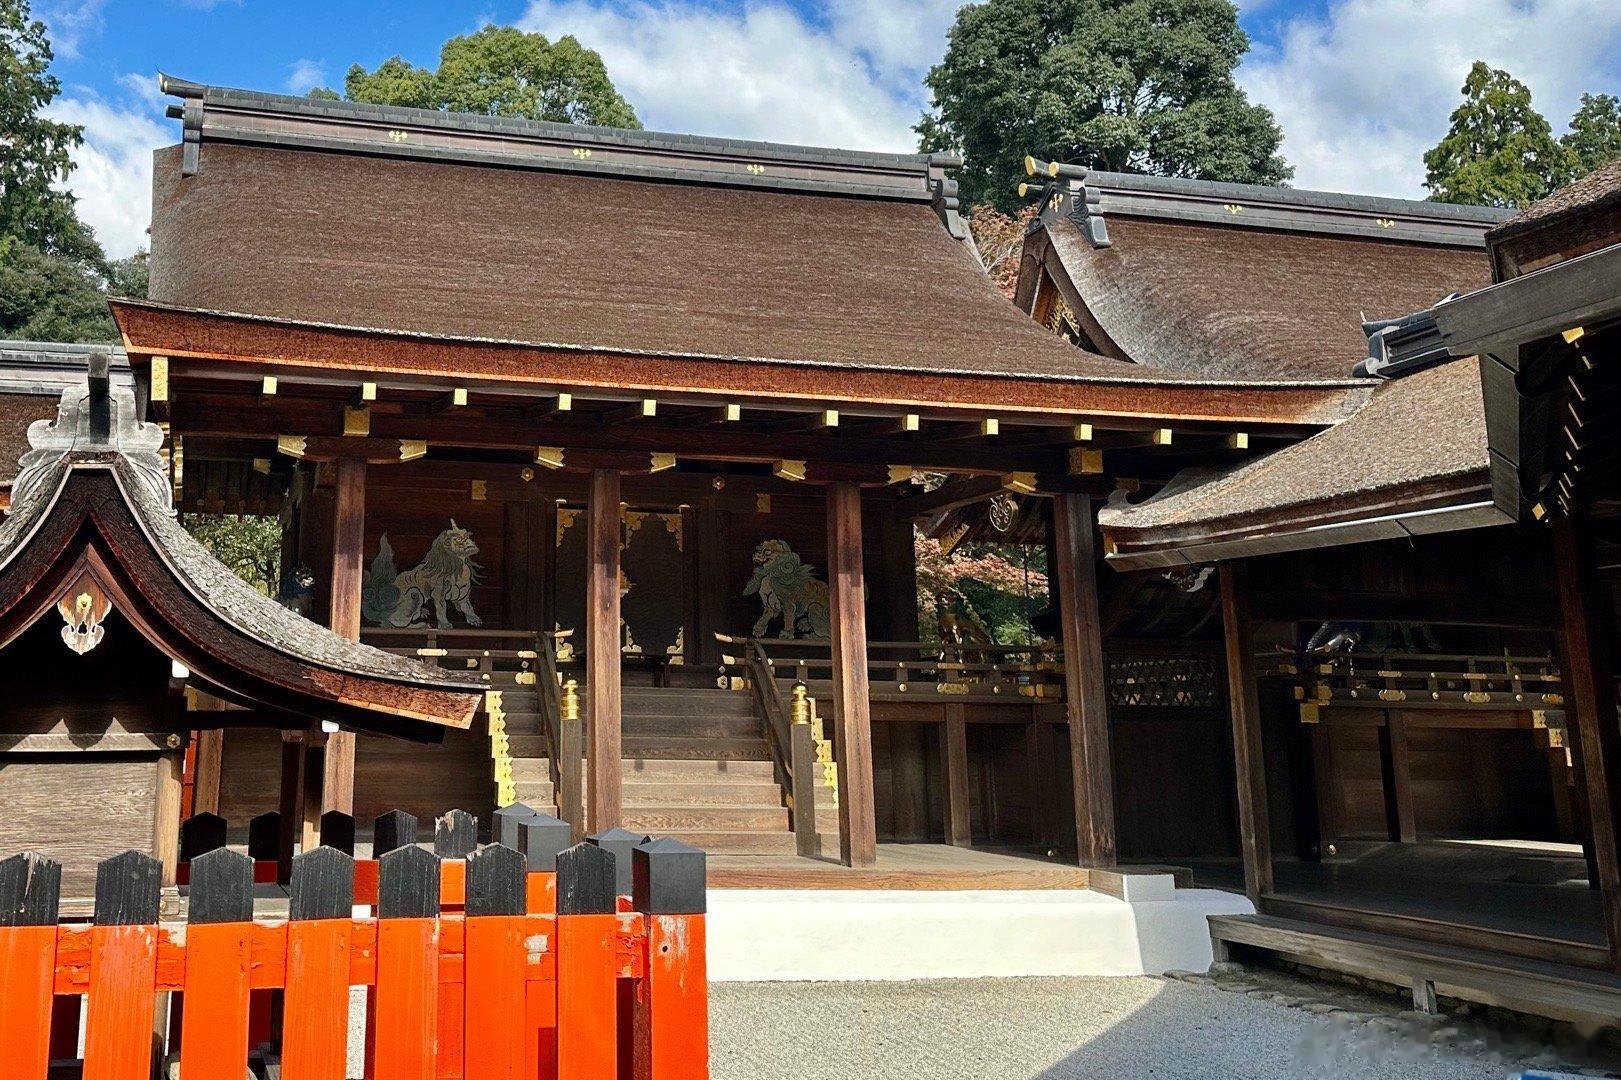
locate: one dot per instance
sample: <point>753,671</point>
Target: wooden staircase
<point>696,767</point>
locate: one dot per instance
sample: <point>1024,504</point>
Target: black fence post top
<point>508,824</point>
<point>30,890</point>
<point>619,842</point>
<point>495,882</point>
<point>127,889</point>
<point>455,835</point>
<point>585,881</point>
<point>264,836</point>
<point>201,833</point>
<point>338,831</point>
<point>408,884</point>
<point>541,838</point>
<point>323,885</point>
<point>221,888</point>
<point>668,878</point>
<point>395,829</point>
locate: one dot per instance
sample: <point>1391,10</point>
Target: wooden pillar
<point>348,553</point>
<point>290,804</point>
<point>852,704</point>
<point>166,814</point>
<point>205,797</point>
<point>1075,571</point>
<point>602,650</point>
<point>1589,677</point>
<point>1254,820</point>
<point>1397,777</point>
<point>959,830</point>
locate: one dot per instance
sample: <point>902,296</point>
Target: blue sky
<point>1361,87</point>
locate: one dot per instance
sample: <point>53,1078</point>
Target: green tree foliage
<point>1499,150</point>
<point>1124,85</point>
<point>249,545</point>
<point>501,71</point>
<point>50,297</point>
<point>33,207</point>
<point>1594,137</point>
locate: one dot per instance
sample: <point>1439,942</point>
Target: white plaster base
<point>881,935</point>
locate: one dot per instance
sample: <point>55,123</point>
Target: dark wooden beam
<point>645,409</point>
<point>602,650</point>
<point>1086,701</point>
<point>348,567</point>
<point>368,450</point>
<point>820,420</point>
<point>552,406</point>
<point>1590,670</point>
<point>954,749</point>
<point>858,828</point>
<point>727,442</point>
<point>948,496</point>
<point>708,417</point>
<point>1254,818</point>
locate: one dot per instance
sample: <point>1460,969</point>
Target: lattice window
<point>1177,682</point>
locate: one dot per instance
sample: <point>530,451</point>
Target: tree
<point>250,546</point>
<point>1594,137</point>
<point>1121,85</point>
<point>33,207</point>
<point>45,296</point>
<point>999,586</point>
<point>501,71</point>
<point>1499,150</point>
<point>1000,239</point>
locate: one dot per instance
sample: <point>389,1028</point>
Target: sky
<point>1361,87</point>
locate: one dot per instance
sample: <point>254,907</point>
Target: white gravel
<point>1056,1029</point>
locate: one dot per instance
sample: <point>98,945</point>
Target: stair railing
<point>793,747</point>
<point>560,722</point>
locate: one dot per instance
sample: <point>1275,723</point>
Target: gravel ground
<point>1055,1029</point>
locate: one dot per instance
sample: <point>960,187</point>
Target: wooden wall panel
<point>1480,785</point>
<point>78,809</point>
<point>1173,784</point>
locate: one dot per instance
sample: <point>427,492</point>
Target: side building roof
<point>1239,280</point>
<point>1413,460</point>
<point>91,515</point>
<point>33,375</point>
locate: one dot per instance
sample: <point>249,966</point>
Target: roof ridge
<point>581,133</point>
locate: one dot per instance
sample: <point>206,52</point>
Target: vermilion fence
<point>596,988</point>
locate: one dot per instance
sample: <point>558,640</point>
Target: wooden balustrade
<point>909,669</point>
<point>1455,680</point>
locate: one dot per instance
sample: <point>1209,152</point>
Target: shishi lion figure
<point>789,591</point>
<point>445,578</point>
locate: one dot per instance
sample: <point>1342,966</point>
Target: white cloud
<point>112,175</point>
<point>1364,90</point>
<point>765,71</point>
<point>304,76</point>
<point>69,22</point>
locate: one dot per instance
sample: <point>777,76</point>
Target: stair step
<point>735,727</point>
<point>735,842</point>
<point>673,746</point>
<point>679,791</point>
<point>727,706</point>
<point>697,769</point>
<point>665,819</point>
<point>531,768</point>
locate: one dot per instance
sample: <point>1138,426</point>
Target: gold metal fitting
<point>571,700</point>
<point>801,705</point>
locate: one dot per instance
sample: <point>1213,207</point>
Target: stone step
<point>662,820</point>
<point>679,791</point>
<point>735,842</point>
<point>673,746</point>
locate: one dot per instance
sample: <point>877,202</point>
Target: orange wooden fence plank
<point>407,998</point>
<point>27,978</point>
<point>122,1002</point>
<point>214,1023</point>
<point>495,1007</point>
<point>452,883</point>
<point>315,1021</point>
<point>672,1002</point>
<point>587,997</point>
<point>540,887</point>
<point>366,881</point>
